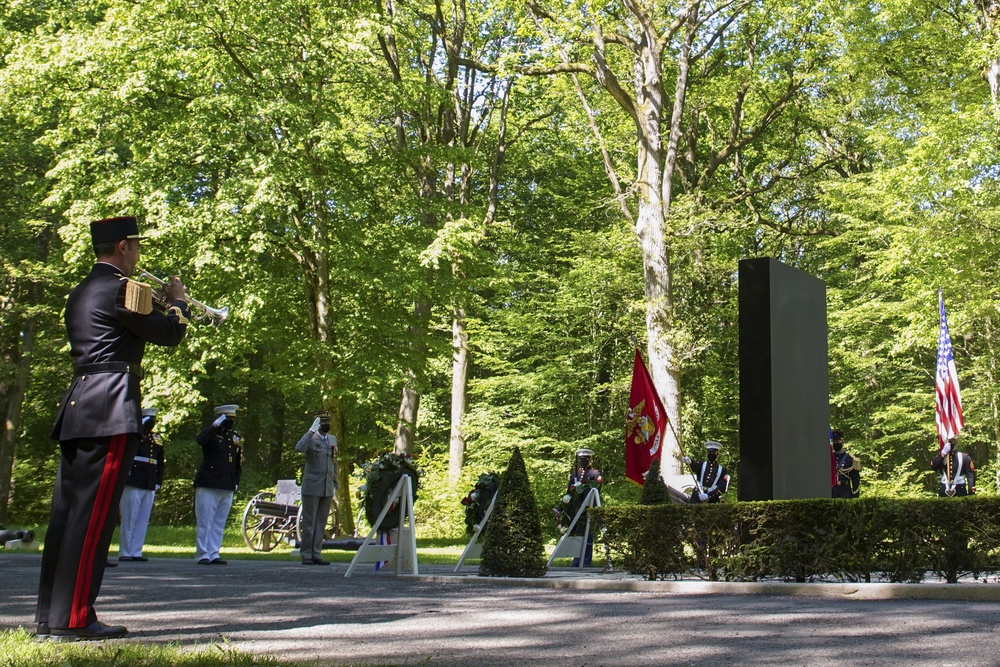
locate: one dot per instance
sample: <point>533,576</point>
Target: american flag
<point>948,401</point>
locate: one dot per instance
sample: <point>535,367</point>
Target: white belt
<point>958,481</point>
<point>144,459</point>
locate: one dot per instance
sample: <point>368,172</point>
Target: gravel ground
<point>315,614</point>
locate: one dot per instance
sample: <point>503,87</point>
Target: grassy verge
<point>19,649</point>
<point>178,542</point>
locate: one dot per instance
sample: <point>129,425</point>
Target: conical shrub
<point>654,491</point>
<point>512,546</point>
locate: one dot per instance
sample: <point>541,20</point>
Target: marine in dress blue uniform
<point>846,469</point>
<point>712,476</point>
<point>144,480</point>
<point>958,472</point>
<point>583,472</point>
<point>216,481</point>
<point>109,320</point>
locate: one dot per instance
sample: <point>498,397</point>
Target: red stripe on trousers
<point>98,517</point>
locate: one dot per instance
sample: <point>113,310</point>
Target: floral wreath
<point>382,466</point>
<point>565,509</point>
<point>485,488</point>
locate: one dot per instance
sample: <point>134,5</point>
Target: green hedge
<point>866,539</point>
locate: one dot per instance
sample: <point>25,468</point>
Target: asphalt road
<point>315,614</point>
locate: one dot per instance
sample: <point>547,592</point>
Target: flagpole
<point>947,458</point>
<point>680,448</point>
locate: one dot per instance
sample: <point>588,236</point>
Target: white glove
<point>315,425</point>
<point>218,420</point>
<point>946,449</point>
<point>703,497</point>
<point>686,460</point>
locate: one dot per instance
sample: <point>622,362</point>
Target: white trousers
<point>136,506</point>
<point>211,508</point>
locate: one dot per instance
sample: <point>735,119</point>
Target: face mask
<point>325,428</point>
<point>147,425</point>
<point>837,446</point>
<point>227,422</point>
<point>713,455</point>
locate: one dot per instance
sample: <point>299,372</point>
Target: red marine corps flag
<point>948,398</point>
<point>645,424</point>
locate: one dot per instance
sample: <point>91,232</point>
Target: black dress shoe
<point>139,559</point>
<point>307,562</point>
<point>110,563</point>
<point>204,561</point>
<point>219,561</point>
<point>125,559</point>
<point>94,631</point>
<point>42,632</point>
<point>320,561</point>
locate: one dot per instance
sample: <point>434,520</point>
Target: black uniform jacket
<point>222,464</point>
<point>961,464</point>
<point>147,467</point>
<point>107,343</point>
<point>713,478</point>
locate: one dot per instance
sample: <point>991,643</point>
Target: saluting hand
<point>315,425</point>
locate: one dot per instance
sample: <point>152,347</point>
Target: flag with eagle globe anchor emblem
<point>644,425</point>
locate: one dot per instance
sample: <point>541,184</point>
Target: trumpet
<point>216,315</point>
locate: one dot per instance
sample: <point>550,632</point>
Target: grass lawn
<point>19,649</point>
<point>178,542</point>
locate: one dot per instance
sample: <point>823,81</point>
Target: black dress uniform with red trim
<point>98,429</point>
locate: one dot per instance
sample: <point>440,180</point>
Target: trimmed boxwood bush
<point>805,540</point>
<point>654,491</point>
<point>512,547</point>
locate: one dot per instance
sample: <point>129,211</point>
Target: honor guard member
<point>216,481</point>
<point>109,320</point>
<point>319,486</point>
<point>712,479</point>
<point>846,469</point>
<point>583,472</point>
<point>144,480</point>
<point>958,472</point>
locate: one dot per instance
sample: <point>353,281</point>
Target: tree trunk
<point>409,404</point>
<point>459,374</point>
<point>15,400</point>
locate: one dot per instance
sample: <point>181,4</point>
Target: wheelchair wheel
<point>258,529</point>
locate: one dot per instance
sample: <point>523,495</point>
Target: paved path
<point>314,613</point>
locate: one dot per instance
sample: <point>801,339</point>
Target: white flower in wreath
<point>566,499</point>
<point>578,484</point>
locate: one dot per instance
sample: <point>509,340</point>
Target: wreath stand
<point>473,549</point>
<point>404,552</point>
<point>575,546</point>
